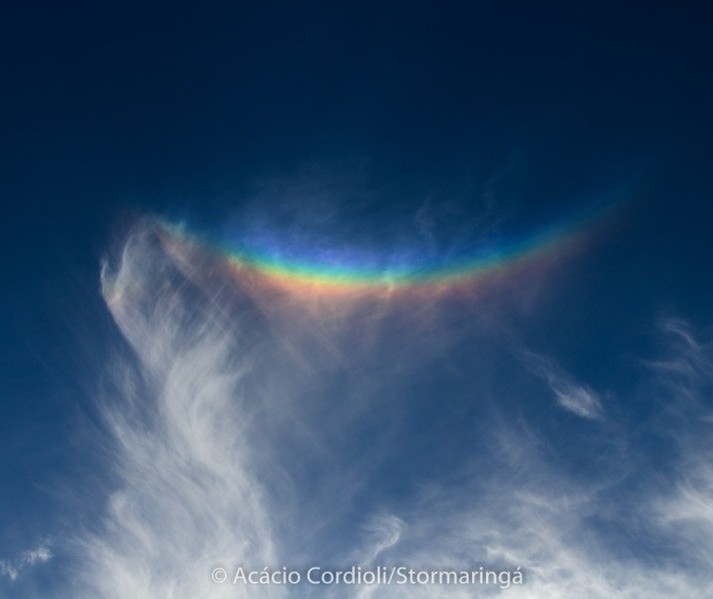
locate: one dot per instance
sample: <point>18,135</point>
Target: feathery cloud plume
<point>248,435</point>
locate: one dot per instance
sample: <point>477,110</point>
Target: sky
<point>356,287</point>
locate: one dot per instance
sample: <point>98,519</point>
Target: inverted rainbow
<point>296,271</point>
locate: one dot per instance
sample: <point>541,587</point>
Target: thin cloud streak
<point>571,395</point>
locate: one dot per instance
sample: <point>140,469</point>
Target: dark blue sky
<point>109,110</point>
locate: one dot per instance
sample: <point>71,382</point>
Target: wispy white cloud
<point>683,365</point>
<point>187,496</point>
<point>685,373</point>
<point>529,514</point>
<point>233,445</point>
<point>14,569</point>
<point>571,395</point>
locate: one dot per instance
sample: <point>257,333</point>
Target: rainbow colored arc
<point>298,272</point>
